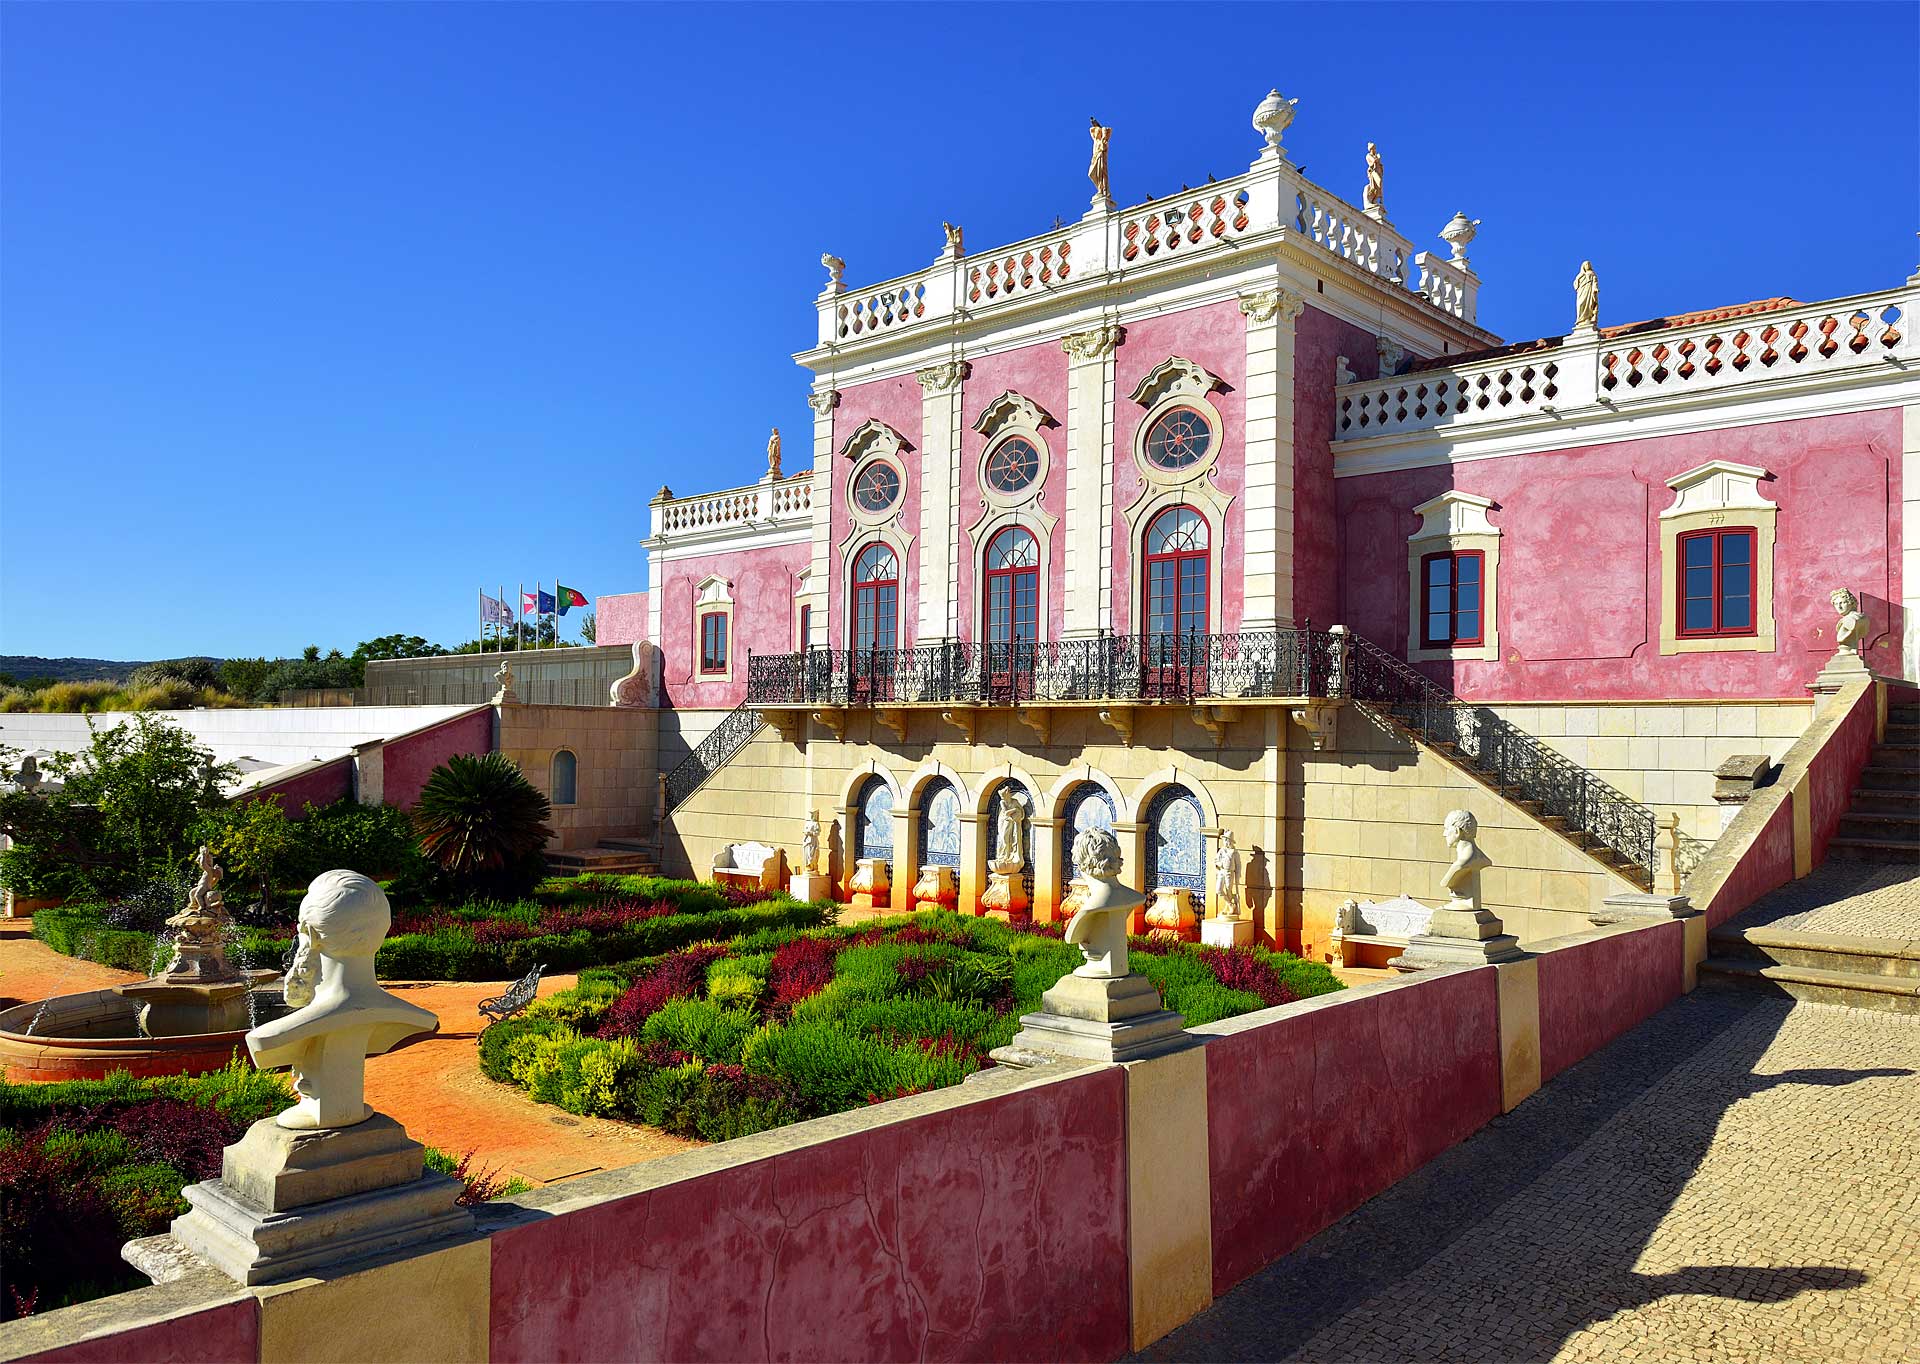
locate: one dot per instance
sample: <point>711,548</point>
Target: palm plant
<point>484,825</point>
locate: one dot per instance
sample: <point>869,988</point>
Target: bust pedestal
<point>810,885</point>
<point>1112,1018</point>
<point>1006,893</point>
<point>1226,932</point>
<point>288,1202</point>
<point>1459,935</point>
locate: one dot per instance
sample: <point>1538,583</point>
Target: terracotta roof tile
<point>1652,324</point>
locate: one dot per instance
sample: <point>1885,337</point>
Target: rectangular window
<point>1716,583</point>
<point>806,626</point>
<point>1452,588</point>
<point>713,642</point>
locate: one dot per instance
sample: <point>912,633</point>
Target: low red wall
<point>992,1231</point>
<point>406,762</point>
<point>1835,771</point>
<point>321,785</point>
<point>1768,865</point>
<point>1313,1114</point>
<point>228,1332</point>
<point>1592,992</point>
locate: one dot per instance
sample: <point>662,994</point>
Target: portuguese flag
<point>569,597</point>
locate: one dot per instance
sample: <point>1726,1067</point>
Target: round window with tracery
<point>1178,439</point>
<point>1013,466</point>
<point>877,488</point>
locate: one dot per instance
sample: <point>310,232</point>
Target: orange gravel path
<point>433,1088</point>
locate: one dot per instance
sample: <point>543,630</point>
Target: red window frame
<point>713,642</point>
<point>1716,565</point>
<point>806,627</point>
<point>869,596</point>
<point>1003,605</point>
<point>1453,560</point>
<point>1184,622</point>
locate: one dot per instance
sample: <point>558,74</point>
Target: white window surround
<point>802,597</point>
<point>1007,417</point>
<point>873,440</point>
<point>1718,494</point>
<point>1035,521</point>
<point>1212,504</point>
<point>1450,523</point>
<point>570,789</point>
<point>712,597</point>
<point>1177,382</point>
<point>858,538</point>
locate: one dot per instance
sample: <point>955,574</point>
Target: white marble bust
<point>1099,929</point>
<point>1462,879</point>
<point>1850,631</point>
<point>341,1015</point>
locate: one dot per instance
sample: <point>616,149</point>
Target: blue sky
<point>315,318</point>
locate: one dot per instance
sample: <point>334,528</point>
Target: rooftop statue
<point>1376,181</point>
<point>836,268</point>
<point>340,1015</point>
<point>1586,298</point>
<point>1097,167</point>
<point>773,453</point>
<point>954,246</point>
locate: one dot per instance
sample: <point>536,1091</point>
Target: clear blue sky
<point>314,318</point>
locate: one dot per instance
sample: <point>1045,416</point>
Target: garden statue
<point>773,454</point>
<point>1097,167</point>
<point>810,843</point>
<point>199,945</point>
<point>340,1015</point>
<point>1850,633</point>
<point>1586,298</point>
<point>1462,880</point>
<point>504,677</point>
<point>1374,200</point>
<point>1011,855</point>
<point>1226,876</point>
<point>954,246</point>
<point>1099,928</point>
<point>835,269</point>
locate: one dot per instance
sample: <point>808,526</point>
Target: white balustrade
<point>1482,391</point>
<point>1184,224</point>
<point>1023,269</point>
<point>1743,350</point>
<point>762,505</point>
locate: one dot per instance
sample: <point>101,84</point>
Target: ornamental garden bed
<point>88,1165</point>
<point>719,1039</point>
<point>568,923</point>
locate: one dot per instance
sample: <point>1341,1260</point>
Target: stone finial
<point>1271,119</point>
<point>664,495</point>
<point>1459,234</point>
<point>340,1015</point>
<point>1097,165</point>
<point>1586,299</point>
<point>836,271</point>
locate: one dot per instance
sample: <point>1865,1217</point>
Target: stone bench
<point>752,865</point>
<point>1360,924</point>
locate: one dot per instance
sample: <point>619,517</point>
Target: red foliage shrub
<point>683,973</point>
<point>801,968</point>
<point>57,1228</point>
<point>185,1135</point>
<point>732,1085</point>
<point>480,1184</point>
<point>946,1044</point>
<point>1238,968</point>
<point>915,970</point>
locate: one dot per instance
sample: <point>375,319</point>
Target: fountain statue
<point>200,991</point>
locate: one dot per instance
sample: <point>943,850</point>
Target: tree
<point>310,654</point>
<point>589,627</point>
<point>484,825</point>
<point>397,646</point>
<point>253,840</point>
<point>243,676</point>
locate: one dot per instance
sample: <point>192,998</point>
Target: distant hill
<point>27,666</point>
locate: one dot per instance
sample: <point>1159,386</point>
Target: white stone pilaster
<point>1267,566</point>
<point>940,390</point>
<point>1910,539</point>
<point>1087,581</point>
<point>822,579</point>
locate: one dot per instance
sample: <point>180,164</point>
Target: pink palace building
<point>1116,523</point>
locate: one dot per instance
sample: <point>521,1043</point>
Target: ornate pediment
<point>1454,513</point>
<point>1176,376</point>
<point>872,437</point>
<point>714,591</point>
<point>1011,409</point>
<point>1718,485</point>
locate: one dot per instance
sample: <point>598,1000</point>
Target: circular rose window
<point>1178,439</point>
<point>1012,466</point>
<point>877,488</point>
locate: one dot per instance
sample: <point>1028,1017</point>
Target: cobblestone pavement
<point>1736,1179</point>
<point>1858,899</point>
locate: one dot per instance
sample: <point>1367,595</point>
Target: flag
<point>493,611</point>
<point>536,603</point>
<point>569,597</point>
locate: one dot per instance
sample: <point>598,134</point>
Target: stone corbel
<point>964,719</point>
<point>894,718</point>
<point>1214,720</point>
<point>1319,719</point>
<point>790,724</point>
<point>833,718</point>
<point>1039,719</point>
<point>1263,305</point>
<point>1120,720</point>
<point>824,401</point>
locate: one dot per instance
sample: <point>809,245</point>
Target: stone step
<point>618,860</point>
<point>1813,985</point>
<point>1851,848</point>
<point>1890,802</point>
<point>1902,826</point>
<point>1825,951</point>
<point>1889,777</point>
<point>639,845</point>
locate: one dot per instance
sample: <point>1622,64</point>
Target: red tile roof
<point>1653,324</point>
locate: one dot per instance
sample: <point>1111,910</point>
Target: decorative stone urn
<point>1172,912</point>
<point>937,887</point>
<point>869,886</point>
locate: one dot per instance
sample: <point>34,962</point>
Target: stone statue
<point>1226,876</point>
<point>199,942</point>
<point>1375,197</point>
<point>773,454</point>
<point>1462,879</point>
<point>1586,298</point>
<point>1099,928</point>
<point>1850,633</point>
<point>1097,167</point>
<point>954,246</point>
<point>835,269</point>
<point>1342,371</point>
<point>504,677</point>
<point>340,1015</point>
<point>810,843</point>
<point>1392,355</point>
<point>1011,855</point>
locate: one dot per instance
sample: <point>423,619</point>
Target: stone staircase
<point>620,856</point>
<point>1883,823</point>
<point>1819,968</point>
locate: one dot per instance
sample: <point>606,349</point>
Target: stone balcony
<point>771,504</point>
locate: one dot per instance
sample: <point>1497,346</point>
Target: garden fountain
<point>190,1017</point>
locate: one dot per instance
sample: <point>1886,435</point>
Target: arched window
<point>1088,807</point>
<point>939,824</point>
<point>876,599</point>
<point>562,784</point>
<point>1176,852</point>
<point>1176,573</point>
<point>873,833</point>
<point>1013,587</point>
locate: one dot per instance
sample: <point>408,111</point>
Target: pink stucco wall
<point>620,617</point>
<point>1580,576</point>
<point>216,1335</point>
<point>321,786</point>
<point>896,402</point>
<point>1215,337</point>
<point>407,762</point>
<point>1592,992</point>
<point>1039,373</point>
<point>996,1230</point>
<point>1319,340</point>
<point>1312,1114</point>
<point>763,581</point>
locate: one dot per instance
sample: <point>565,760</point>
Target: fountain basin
<point>87,1036</point>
